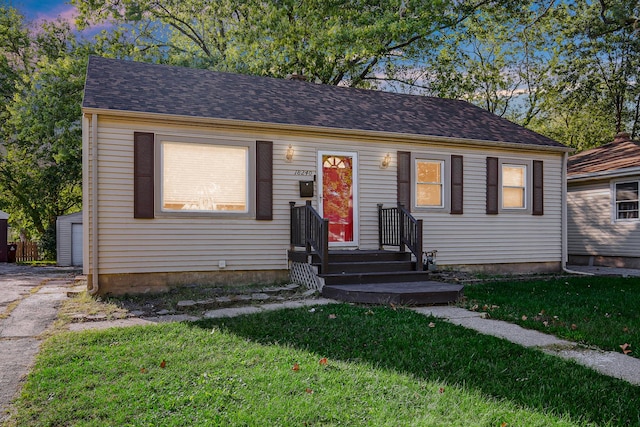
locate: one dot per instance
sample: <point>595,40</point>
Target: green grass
<point>384,367</point>
<point>597,311</point>
<point>41,263</point>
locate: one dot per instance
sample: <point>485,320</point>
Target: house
<point>189,175</point>
<point>69,239</point>
<point>602,203</point>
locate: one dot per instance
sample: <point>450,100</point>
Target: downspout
<point>565,222</point>
<point>94,287</point>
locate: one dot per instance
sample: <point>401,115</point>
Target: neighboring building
<point>4,232</point>
<point>602,203</point>
<point>188,175</point>
<point>69,237</point>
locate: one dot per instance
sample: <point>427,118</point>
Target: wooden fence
<point>27,251</point>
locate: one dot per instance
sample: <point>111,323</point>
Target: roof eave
<point>619,173</point>
<point>325,130</point>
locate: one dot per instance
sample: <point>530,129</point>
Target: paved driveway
<point>29,300</point>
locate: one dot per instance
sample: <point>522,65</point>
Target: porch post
<point>325,246</point>
<point>307,226</point>
<point>419,265</point>
<point>402,221</point>
<point>292,205</point>
<point>380,226</point>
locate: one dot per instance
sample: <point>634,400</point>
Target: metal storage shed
<point>69,239</point>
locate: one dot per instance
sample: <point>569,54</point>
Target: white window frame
<point>528,185</point>
<point>445,161</point>
<point>250,176</point>
<point>614,204</point>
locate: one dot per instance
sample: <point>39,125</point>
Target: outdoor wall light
<point>289,155</point>
<point>386,161</point>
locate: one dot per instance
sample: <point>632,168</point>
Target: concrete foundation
<point>143,283</point>
<point>507,268</point>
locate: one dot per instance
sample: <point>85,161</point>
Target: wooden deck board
<point>405,293</point>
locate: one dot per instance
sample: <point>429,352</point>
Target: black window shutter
<point>457,185</point>
<point>264,180</point>
<point>492,185</point>
<point>404,179</point>
<point>538,188</point>
<point>143,162</point>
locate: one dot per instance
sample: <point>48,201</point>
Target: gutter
<point>94,286</point>
<point>564,221</point>
<point>620,173</point>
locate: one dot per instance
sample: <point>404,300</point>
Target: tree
<point>329,41</point>
<point>41,161</point>
<point>595,80</point>
<point>497,59</point>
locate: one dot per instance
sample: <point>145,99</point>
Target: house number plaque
<point>304,173</point>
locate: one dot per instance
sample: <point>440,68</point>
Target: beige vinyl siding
<point>176,243</point>
<point>591,229</point>
<point>478,238</point>
<point>182,243</point>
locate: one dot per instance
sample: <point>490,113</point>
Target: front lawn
<point>598,311</point>
<point>331,365</point>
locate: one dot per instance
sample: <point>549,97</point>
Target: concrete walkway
<point>29,300</point>
<point>604,271</point>
<point>610,363</point>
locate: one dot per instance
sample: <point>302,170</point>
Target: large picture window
<point>626,196</point>
<point>429,183</point>
<point>201,177</point>
<point>514,186</point>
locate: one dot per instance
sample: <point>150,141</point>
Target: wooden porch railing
<point>311,231</point>
<point>397,227</point>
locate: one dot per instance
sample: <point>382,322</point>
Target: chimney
<point>622,137</point>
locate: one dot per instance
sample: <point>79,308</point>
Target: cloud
<point>66,13</point>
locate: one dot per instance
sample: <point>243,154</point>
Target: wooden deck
<point>401,293</point>
<point>380,277</point>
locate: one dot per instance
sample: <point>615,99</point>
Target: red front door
<point>338,196</point>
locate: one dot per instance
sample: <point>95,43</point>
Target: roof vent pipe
<point>296,76</point>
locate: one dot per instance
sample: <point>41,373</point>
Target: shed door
<point>338,200</point>
<point>76,244</point>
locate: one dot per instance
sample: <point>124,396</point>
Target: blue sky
<point>35,10</point>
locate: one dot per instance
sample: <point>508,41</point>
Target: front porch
<point>380,276</point>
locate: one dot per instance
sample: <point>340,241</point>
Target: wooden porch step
<point>401,293</point>
<point>340,256</point>
<point>374,277</point>
<point>370,266</point>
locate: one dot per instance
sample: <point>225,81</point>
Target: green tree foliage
<point>329,41</point>
<point>595,83</point>
<point>498,59</point>
<point>40,161</point>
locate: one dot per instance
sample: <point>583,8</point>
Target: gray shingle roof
<point>141,87</point>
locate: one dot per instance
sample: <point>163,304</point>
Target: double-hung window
<point>626,197</point>
<point>429,183</point>
<point>204,177</point>
<point>514,186</point>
